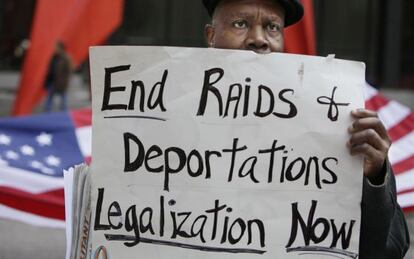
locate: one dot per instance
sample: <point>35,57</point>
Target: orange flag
<point>49,20</point>
<point>300,38</point>
<point>78,24</point>
<point>91,24</point>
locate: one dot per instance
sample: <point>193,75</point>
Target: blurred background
<point>377,32</point>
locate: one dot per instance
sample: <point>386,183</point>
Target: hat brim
<point>293,9</point>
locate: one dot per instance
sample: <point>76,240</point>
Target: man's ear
<point>209,34</point>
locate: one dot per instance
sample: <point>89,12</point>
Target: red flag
<point>75,22</point>
<point>300,38</point>
<point>91,24</point>
<point>49,21</point>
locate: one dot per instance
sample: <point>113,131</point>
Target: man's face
<point>247,24</point>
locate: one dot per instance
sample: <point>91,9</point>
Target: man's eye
<point>240,24</point>
<point>274,27</point>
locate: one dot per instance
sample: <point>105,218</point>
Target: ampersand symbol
<point>333,111</point>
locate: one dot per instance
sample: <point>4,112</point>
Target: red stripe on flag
<point>88,160</point>
<point>48,204</point>
<point>406,191</point>
<point>403,165</point>
<point>376,102</point>
<point>82,117</point>
<point>402,128</point>
<point>408,209</point>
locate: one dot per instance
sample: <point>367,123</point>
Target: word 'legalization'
<point>215,224</point>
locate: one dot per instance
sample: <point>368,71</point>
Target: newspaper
<point>78,213</point>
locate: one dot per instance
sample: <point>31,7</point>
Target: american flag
<point>399,121</point>
<point>34,151</point>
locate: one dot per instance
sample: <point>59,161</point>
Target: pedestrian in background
<point>57,80</point>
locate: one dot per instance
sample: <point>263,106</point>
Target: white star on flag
<point>52,160</point>
<point>44,139</point>
<point>36,164</point>
<point>27,150</point>
<point>5,140</point>
<point>12,155</point>
<point>46,170</point>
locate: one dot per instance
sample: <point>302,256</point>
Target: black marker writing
<point>154,99</point>
<point>215,224</point>
<point>146,156</point>
<point>333,111</point>
<point>238,97</point>
<point>326,228</point>
<point>154,159</point>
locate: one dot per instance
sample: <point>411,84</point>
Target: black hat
<point>293,9</point>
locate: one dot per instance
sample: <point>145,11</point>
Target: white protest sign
<point>208,153</point>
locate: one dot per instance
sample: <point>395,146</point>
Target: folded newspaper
<point>78,211</point>
<point>206,153</point>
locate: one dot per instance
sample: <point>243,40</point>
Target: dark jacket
<point>60,69</point>
<point>384,232</point>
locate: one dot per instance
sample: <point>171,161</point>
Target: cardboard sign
<point>208,153</point>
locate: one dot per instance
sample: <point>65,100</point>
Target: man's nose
<point>257,41</point>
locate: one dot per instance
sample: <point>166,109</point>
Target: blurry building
<point>377,32</point>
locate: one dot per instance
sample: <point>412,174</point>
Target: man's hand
<point>370,139</point>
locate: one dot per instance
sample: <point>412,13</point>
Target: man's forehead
<point>246,2</point>
<point>243,14</point>
<point>270,2</point>
<point>243,8</point>
<point>293,9</point>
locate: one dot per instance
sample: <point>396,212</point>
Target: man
<point>258,25</point>
<point>57,79</point>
